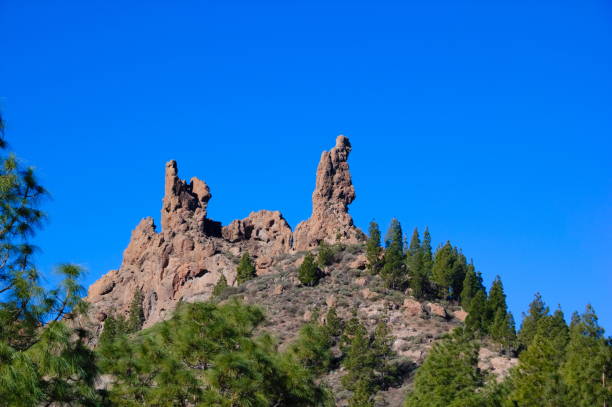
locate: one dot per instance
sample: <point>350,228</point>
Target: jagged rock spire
<point>334,191</point>
<point>184,203</point>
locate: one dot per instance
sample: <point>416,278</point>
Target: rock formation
<point>334,192</point>
<point>186,258</point>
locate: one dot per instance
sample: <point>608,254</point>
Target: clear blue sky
<point>489,121</point>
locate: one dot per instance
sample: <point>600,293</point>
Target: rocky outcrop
<point>184,260</point>
<point>184,205</point>
<point>334,192</point>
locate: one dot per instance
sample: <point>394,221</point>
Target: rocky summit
<point>184,260</point>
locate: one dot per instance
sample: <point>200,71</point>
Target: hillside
<point>184,261</point>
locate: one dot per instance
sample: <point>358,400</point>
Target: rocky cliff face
<point>186,258</point>
<point>334,192</point>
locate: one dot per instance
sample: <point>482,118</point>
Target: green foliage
<point>587,370</point>
<point>42,359</point>
<point>246,269</point>
<point>415,263</point>
<point>496,300</point>
<point>476,320</point>
<point>333,324</point>
<point>207,354</point>
<point>362,395</point>
<point>136,314</point>
<point>312,348</point>
<point>537,310</point>
<point>393,270</point>
<point>427,252</point>
<point>308,273</point>
<point>325,256</point>
<point>373,249</point>
<point>472,283</point>
<point>367,359</point>
<point>449,375</point>
<point>220,287</point>
<point>536,382</point>
<point>503,330</point>
<point>448,271</point>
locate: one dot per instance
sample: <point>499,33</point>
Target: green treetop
<point>373,249</point>
<point>246,269</point>
<point>309,273</point>
<point>537,310</point>
<point>587,370</point>
<point>394,267</point>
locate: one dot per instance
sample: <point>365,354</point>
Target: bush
<point>308,273</point>
<point>326,254</point>
<point>246,269</point>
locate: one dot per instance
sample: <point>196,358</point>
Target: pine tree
<point>309,273</point>
<point>325,256</point>
<point>475,322</point>
<point>554,328</point>
<point>246,269</point>
<point>587,370</point>
<point>312,348</point>
<point>537,310</point>
<point>449,375</point>
<point>367,358</point>
<point>136,315</point>
<point>536,382</point>
<point>43,361</point>
<point>503,330</point>
<point>393,271</point>
<point>472,283</point>
<point>220,286</point>
<point>496,301</point>
<point>362,396</point>
<point>426,250</point>
<point>394,236</point>
<point>333,323</point>
<point>208,354</point>
<point>414,248</point>
<point>442,270</point>
<point>373,249</point>
<point>458,271</point>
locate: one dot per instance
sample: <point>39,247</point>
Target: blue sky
<point>490,122</point>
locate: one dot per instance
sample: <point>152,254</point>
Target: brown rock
<point>334,191</point>
<point>331,301</point>
<point>185,204</point>
<point>437,310</point>
<point>367,293</point>
<point>412,308</point>
<point>278,289</point>
<point>461,315</point>
<point>361,281</point>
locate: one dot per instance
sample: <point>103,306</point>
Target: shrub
<point>308,273</point>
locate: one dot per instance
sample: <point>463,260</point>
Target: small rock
<point>307,316</point>
<point>361,281</point>
<point>367,293</point>
<point>331,301</point>
<point>412,307</point>
<point>278,289</point>
<point>461,315</point>
<point>437,310</point>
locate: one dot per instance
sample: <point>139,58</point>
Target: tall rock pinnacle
<point>334,191</point>
<point>184,205</point>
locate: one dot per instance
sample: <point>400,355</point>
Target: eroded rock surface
<point>334,192</point>
<point>184,260</point>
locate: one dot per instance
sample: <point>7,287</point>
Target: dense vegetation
<point>217,353</point>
